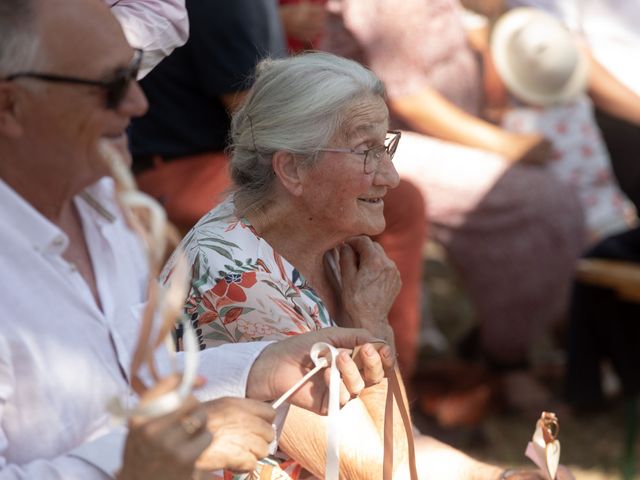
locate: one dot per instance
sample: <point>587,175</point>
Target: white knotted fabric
<point>148,219</point>
<point>333,427</point>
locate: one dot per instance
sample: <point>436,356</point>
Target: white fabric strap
<point>321,360</point>
<point>332,469</point>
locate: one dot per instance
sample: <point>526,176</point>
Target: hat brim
<point>507,26</point>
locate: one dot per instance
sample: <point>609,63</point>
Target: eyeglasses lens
<point>118,87</point>
<point>373,157</point>
<point>116,90</point>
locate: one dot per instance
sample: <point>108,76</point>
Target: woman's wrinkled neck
<point>284,226</point>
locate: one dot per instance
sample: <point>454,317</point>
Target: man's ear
<point>10,125</point>
<point>289,172</point>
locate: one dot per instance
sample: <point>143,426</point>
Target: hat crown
<point>543,53</point>
<point>537,58</point>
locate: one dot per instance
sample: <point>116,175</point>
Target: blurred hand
<point>166,447</point>
<point>370,284</point>
<point>528,148</point>
<point>304,21</point>
<point>562,474</point>
<point>241,431</point>
<point>283,363</point>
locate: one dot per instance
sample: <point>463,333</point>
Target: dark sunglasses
<point>116,88</point>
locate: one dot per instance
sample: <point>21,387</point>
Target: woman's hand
<point>166,447</point>
<point>241,431</point>
<point>527,147</point>
<point>370,284</point>
<point>283,363</point>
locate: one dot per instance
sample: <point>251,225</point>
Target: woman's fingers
<point>373,368</point>
<point>348,262</point>
<point>351,376</point>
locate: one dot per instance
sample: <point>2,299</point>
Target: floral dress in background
<point>241,291</point>
<point>579,159</point>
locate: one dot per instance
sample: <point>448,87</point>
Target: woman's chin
<point>374,228</point>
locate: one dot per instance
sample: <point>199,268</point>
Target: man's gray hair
<point>297,104</point>
<point>19,38</point>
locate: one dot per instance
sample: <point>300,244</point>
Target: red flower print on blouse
<point>233,285</point>
<point>232,314</point>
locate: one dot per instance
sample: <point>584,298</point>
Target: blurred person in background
<point>603,324</point>
<point>609,34</point>
<point>546,75</point>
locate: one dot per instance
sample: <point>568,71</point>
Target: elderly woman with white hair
<point>289,252</point>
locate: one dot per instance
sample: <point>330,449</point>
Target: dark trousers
<point>623,143</point>
<point>604,326</point>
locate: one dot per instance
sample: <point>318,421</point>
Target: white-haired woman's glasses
<point>373,155</point>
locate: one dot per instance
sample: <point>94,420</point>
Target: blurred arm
<point>155,26</point>
<point>430,113</point>
<point>611,96</point>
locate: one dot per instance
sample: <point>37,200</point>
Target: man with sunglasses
<point>73,275</point>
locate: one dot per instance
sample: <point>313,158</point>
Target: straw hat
<point>538,58</point>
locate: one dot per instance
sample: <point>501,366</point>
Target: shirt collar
<point>37,230</point>
<point>100,197</point>
<point>29,223</point>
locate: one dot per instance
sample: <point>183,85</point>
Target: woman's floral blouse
<point>242,290</point>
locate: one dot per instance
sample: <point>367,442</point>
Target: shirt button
<point>58,242</point>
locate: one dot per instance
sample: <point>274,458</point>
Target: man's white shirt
<point>61,357</point>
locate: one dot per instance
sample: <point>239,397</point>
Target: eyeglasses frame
<point>390,149</point>
<point>116,88</point>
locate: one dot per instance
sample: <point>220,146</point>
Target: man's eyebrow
<point>108,73</point>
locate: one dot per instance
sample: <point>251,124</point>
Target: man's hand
<point>241,430</point>
<point>283,363</point>
<point>166,448</point>
<point>370,284</point>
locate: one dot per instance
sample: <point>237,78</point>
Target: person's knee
<point>549,204</point>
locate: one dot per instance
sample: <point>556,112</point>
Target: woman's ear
<point>289,172</point>
<point>9,123</point>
